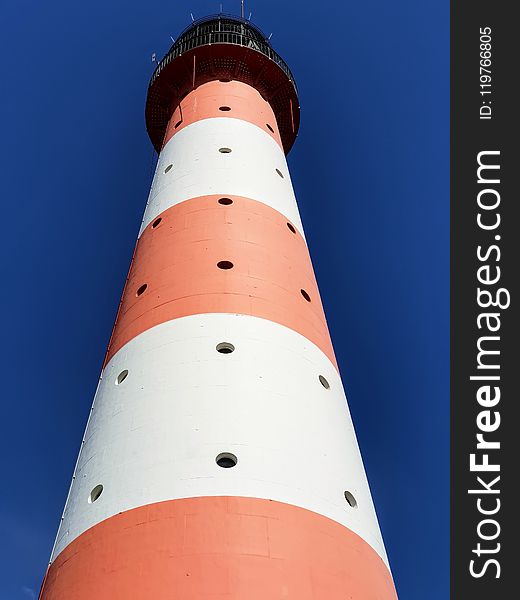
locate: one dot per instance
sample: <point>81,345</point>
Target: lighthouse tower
<point>219,460</point>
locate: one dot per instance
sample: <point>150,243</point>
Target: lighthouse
<point>219,461</point>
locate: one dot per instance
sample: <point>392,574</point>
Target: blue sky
<point>371,173</point>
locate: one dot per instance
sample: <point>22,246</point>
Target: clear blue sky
<point>371,174</point>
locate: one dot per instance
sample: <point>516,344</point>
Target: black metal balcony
<point>222,29</point>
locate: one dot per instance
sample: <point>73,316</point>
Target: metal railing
<point>220,20</point>
<point>221,30</point>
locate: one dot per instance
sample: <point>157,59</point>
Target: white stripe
<point>199,169</point>
<point>155,436</point>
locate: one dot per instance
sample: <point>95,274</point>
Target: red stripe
<point>225,548</point>
<point>177,261</point>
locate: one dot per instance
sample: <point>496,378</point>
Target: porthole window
<point>177,124</point>
<point>224,150</point>
<point>324,382</point>
<point>224,80</point>
<point>291,227</point>
<point>168,169</point>
<point>279,173</point>
<point>225,264</point>
<point>121,377</point>
<point>226,460</point>
<point>224,108</point>
<point>351,501</point>
<point>225,201</point>
<point>305,295</point>
<point>141,290</point>
<point>95,494</point>
<point>225,348</point>
<point>156,222</point>
<point>269,127</point>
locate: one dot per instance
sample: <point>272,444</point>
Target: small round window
<point>351,501</point>
<point>226,460</point>
<point>225,348</point>
<point>225,265</point>
<point>121,377</point>
<point>324,382</point>
<point>305,295</point>
<point>95,494</point>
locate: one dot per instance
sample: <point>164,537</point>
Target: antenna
<point>172,39</point>
<point>249,18</point>
<point>221,8</point>
<point>242,8</point>
<point>192,17</point>
<point>270,36</point>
